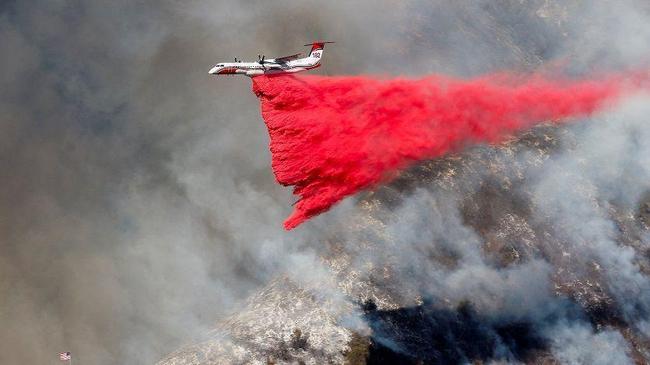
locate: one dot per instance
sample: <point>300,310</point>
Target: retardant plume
<point>334,136</point>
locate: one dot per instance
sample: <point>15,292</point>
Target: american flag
<point>65,356</point>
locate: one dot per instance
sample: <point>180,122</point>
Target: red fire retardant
<point>334,136</point>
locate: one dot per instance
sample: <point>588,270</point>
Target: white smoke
<point>138,207</point>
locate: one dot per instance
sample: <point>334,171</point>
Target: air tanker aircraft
<point>273,66</point>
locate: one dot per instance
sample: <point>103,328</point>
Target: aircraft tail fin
<point>316,48</point>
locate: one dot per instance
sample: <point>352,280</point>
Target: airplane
<point>273,66</point>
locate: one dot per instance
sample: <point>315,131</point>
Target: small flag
<point>65,356</point>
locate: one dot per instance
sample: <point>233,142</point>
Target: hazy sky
<point>138,204</point>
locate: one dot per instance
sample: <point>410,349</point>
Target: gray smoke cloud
<point>579,345</point>
<point>581,192</point>
<point>139,209</point>
<point>580,199</point>
<point>139,206</point>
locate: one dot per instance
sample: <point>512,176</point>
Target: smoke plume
<point>334,136</point>
<point>138,210</point>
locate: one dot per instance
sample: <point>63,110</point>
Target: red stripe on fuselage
<point>227,71</point>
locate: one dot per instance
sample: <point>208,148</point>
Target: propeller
<point>260,59</point>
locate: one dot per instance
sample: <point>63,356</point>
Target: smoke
<point>138,208</point>
<point>131,179</point>
<point>432,252</point>
<point>583,198</point>
<point>579,345</point>
<point>332,137</point>
<point>577,267</point>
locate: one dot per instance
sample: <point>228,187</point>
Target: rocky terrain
<point>491,186</point>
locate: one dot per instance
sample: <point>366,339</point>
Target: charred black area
<point>604,313</point>
<point>428,335</point>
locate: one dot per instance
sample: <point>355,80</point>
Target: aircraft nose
<point>213,71</point>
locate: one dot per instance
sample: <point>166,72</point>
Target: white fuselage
<point>270,66</point>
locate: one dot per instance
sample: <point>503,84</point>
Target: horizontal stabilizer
<point>321,43</point>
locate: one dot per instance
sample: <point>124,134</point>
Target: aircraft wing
<point>286,59</point>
